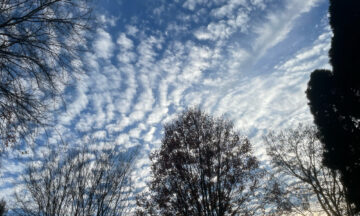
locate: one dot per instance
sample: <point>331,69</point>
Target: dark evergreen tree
<point>334,97</point>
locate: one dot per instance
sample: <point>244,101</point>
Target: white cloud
<point>224,28</point>
<point>126,57</point>
<point>227,9</point>
<point>259,3</point>
<point>157,74</point>
<point>123,104</point>
<point>125,42</point>
<point>122,139</point>
<point>80,103</point>
<point>157,114</point>
<point>147,53</point>
<point>198,61</point>
<point>136,116</point>
<point>191,4</point>
<point>132,30</point>
<point>310,56</point>
<point>279,24</point>
<point>101,134</point>
<point>103,45</point>
<point>148,137</point>
<point>107,20</point>
<point>215,31</point>
<point>135,133</point>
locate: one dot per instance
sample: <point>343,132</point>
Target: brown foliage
<point>203,167</point>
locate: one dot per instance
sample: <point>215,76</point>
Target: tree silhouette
<point>3,209</point>
<point>77,182</point>
<point>203,167</point>
<point>334,97</point>
<point>308,185</point>
<point>39,43</point>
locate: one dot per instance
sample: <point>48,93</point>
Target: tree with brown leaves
<point>204,167</point>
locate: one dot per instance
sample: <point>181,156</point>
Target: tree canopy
<point>334,97</point>
<point>203,167</point>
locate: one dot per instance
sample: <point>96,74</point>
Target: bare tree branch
<point>310,187</point>
<point>39,39</point>
<point>78,182</point>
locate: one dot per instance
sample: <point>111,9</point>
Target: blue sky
<point>248,60</point>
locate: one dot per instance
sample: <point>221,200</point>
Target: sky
<point>246,60</point>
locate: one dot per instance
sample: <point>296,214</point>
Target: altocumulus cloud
<point>247,59</point>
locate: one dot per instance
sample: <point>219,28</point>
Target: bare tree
<point>79,183</point>
<point>204,167</point>
<point>39,43</point>
<point>305,182</point>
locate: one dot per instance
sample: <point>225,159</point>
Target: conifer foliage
<point>334,97</point>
